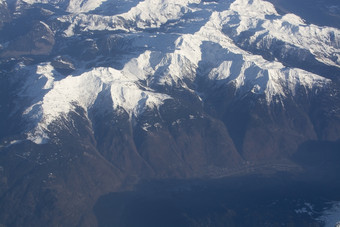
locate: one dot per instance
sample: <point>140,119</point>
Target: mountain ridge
<point>102,97</point>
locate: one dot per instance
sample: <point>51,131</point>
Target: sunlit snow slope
<point>99,98</point>
<point>177,43</point>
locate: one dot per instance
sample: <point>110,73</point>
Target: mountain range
<point>98,96</point>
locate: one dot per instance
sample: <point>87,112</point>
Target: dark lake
<point>238,201</point>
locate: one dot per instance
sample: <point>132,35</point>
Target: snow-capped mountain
<point>151,89</point>
<point>175,54</point>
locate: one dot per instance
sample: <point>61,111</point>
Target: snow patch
<point>306,209</point>
<point>81,6</point>
<point>66,95</point>
<point>176,57</point>
<point>331,217</point>
<point>146,127</point>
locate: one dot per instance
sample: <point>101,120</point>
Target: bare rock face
<point>98,97</point>
<point>38,41</point>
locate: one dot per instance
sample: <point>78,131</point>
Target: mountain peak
<point>191,41</point>
<point>98,96</point>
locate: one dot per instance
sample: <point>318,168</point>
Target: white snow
<point>10,143</point>
<point>288,28</point>
<point>331,217</point>
<point>146,127</point>
<point>242,15</point>
<point>146,14</point>
<point>81,6</point>
<point>41,1</point>
<point>65,95</point>
<point>306,209</point>
<point>153,13</point>
<point>197,46</point>
<point>14,142</point>
<point>74,6</point>
<point>253,8</point>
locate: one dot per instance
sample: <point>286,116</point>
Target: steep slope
<point>97,96</point>
<point>4,13</point>
<point>200,58</point>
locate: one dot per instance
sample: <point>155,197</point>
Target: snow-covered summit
<point>58,98</point>
<point>72,6</point>
<point>175,43</point>
<point>257,17</point>
<point>79,6</point>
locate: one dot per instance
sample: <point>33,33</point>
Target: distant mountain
<point>97,96</point>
